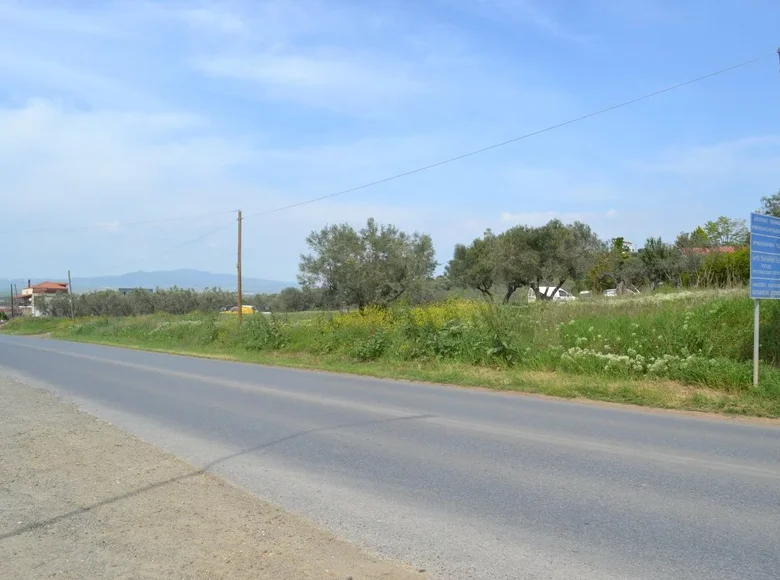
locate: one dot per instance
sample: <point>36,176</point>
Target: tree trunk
<point>510,290</point>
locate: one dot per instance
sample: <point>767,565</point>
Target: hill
<point>183,278</point>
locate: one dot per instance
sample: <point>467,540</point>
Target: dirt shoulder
<point>81,499</point>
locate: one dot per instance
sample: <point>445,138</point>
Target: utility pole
<point>239,289</point>
<point>12,300</point>
<point>70,296</point>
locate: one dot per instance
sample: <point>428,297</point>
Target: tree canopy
<point>525,256</point>
<point>725,231</point>
<point>770,205</point>
<point>378,264</point>
<point>373,266</point>
<point>474,266</point>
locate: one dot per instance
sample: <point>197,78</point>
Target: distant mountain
<point>164,279</point>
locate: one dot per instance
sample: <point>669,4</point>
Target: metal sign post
<point>764,271</point>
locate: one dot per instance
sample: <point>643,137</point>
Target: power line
<point>419,169</point>
<point>117,224</point>
<point>520,138</point>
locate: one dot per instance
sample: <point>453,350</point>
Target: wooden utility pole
<point>239,289</point>
<point>70,296</point>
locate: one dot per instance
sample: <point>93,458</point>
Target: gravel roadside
<point>81,499</point>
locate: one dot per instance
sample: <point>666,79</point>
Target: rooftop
<point>50,286</point>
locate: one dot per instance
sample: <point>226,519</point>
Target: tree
<point>726,232</point>
<point>293,299</point>
<point>662,261</point>
<point>770,205</point>
<point>617,267</point>
<point>698,238</point>
<point>375,265</point>
<point>553,254</point>
<point>474,266</point>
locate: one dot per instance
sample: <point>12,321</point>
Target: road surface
<point>463,483</point>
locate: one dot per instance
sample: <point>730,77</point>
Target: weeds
<point>701,339</point>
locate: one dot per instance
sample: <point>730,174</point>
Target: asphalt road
<point>465,484</point>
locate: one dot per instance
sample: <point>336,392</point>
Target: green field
<point>687,350</point>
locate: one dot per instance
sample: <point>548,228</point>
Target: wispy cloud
<point>326,77</point>
<point>108,226</point>
<point>534,14</point>
<point>137,109</point>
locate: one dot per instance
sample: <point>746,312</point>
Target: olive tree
<point>770,205</point>
<point>474,266</point>
<point>373,266</point>
<point>546,255</point>
<point>663,262</point>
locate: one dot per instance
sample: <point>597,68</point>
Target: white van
<point>560,296</point>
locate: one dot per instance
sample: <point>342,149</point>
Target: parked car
<point>560,295</point>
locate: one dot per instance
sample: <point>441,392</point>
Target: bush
<point>727,269</point>
<point>699,338</point>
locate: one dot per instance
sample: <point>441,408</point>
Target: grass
<point>688,351</point>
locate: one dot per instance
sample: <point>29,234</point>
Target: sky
<point>117,112</point>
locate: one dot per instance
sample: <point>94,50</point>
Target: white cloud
<point>115,139</point>
<point>108,226</point>
<point>109,168</point>
<point>59,156</point>
<point>327,77</point>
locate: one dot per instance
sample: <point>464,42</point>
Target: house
<point>26,300</point>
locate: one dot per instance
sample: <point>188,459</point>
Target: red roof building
<point>706,251</point>
<point>26,299</point>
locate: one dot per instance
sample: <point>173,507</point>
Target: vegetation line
<point>521,310</point>
<point>688,351</point>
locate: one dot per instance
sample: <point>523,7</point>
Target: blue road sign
<point>764,257</point>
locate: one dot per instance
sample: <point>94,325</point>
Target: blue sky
<point>115,112</point>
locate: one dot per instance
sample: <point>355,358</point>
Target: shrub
<point>699,338</point>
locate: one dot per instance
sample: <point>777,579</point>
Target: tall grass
<point>695,338</point>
